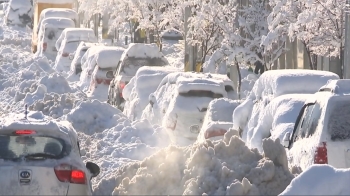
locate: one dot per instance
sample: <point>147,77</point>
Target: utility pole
<point>346,62</point>
<point>187,46</point>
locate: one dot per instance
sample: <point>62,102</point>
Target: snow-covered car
<point>217,120</point>
<point>321,134</point>
<point>59,12</point>
<point>137,91</point>
<point>19,13</point>
<point>106,64</point>
<point>181,100</point>
<point>277,118</point>
<point>68,42</point>
<point>51,29</point>
<point>76,56</point>
<point>270,85</point>
<point>134,57</point>
<point>172,34</point>
<point>42,157</point>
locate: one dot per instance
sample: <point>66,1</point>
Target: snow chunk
<point>55,2</point>
<point>55,83</point>
<point>320,180</point>
<point>219,168</point>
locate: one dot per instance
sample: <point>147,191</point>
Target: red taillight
<point>321,154</point>
<point>65,54</point>
<point>44,46</point>
<point>67,173</point>
<point>121,87</point>
<point>24,132</point>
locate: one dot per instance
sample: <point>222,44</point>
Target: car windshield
<point>130,65</point>
<point>32,147</point>
<point>339,121</point>
<point>71,46</point>
<point>201,93</point>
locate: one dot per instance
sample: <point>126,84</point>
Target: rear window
<point>201,93</point>
<point>130,65</point>
<point>53,34</point>
<point>32,147</point>
<point>228,88</point>
<point>339,122</point>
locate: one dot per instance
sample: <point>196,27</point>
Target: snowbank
<point>227,167</point>
<point>320,180</point>
<point>93,117</point>
<point>55,2</point>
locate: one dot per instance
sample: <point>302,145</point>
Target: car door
<point>298,149</point>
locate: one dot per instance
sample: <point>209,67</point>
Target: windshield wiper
<point>40,156</point>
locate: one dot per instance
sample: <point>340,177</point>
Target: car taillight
<point>214,133</point>
<point>65,54</point>
<point>24,132</point>
<point>68,173</point>
<point>121,87</point>
<point>44,46</point>
<point>321,154</point>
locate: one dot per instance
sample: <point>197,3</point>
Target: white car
<point>68,42</point>
<point>217,120</point>
<point>137,91</point>
<point>76,56</point>
<point>51,29</point>
<point>321,134</point>
<point>19,13</point>
<point>106,64</point>
<point>59,12</point>
<point>42,157</point>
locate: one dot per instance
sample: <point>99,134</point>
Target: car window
<point>339,121</point>
<point>14,146</point>
<point>300,131</point>
<point>201,93</point>
<point>228,88</point>
<point>314,118</point>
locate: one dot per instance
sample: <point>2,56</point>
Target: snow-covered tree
<point>204,25</point>
<point>319,27</point>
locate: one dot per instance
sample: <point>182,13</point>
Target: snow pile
<point>54,105</point>
<point>277,118</point>
<point>320,180</point>
<point>227,167</point>
<point>92,116</point>
<point>19,12</point>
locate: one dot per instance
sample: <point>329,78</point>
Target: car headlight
<point>109,74</point>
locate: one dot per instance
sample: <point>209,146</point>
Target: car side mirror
<point>93,168</point>
<point>194,129</point>
<point>152,99</point>
<point>286,140</point>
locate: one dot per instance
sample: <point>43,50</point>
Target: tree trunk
<point>312,67</point>
<point>239,80</point>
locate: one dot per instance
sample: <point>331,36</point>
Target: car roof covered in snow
<point>109,56</point>
<point>341,86</point>
<point>287,81</point>
<point>36,121</point>
<point>139,50</point>
<point>59,12</point>
<point>57,22</point>
<point>185,84</point>
<point>151,70</point>
<point>71,34</point>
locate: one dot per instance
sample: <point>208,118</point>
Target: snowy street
<point>86,111</point>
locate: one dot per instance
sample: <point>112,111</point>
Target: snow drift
<point>227,167</point>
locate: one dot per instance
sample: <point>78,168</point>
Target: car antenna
<point>25,111</point>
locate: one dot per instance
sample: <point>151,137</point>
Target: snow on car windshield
<point>13,146</point>
<point>339,122</point>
